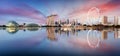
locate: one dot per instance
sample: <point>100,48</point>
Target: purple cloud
<point>25,10</point>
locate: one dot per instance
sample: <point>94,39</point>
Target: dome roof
<point>12,23</point>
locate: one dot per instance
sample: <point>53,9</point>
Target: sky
<point>36,11</point>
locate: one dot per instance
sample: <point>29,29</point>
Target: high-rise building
<point>67,21</point>
<point>115,20</point>
<point>51,20</point>
<point>104,21</point>
<point>59,21</point>
<point>73,22</point>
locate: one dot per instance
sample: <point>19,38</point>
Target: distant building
<point>59,22</point>
<point>23,25</point>
<point>116,20</point>
<point>68,21</point>
<point>73,22</point>
<point>12,24</point>
<point>105,20</point>
<point>51,20</point>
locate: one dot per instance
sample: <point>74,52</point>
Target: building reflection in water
<point>94,37</point>
<point>117,33</point>
<point>32,28</point>
<point>12,30</point>
<point>104,34</point>
<point>51,33</point>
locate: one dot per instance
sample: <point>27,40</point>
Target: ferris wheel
<point>93,15</point>
<point>93,38</point>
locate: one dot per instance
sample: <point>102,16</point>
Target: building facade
<point>116,20</point>
<point>51,20</point>
<point>105,20</point>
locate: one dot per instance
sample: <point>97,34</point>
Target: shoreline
<point>105,26</point>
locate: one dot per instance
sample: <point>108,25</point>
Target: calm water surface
<point>65,41</point>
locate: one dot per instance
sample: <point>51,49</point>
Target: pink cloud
<point>106,7</point>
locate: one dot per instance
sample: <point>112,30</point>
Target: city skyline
<point>37,10</point>
<point>59,27</point>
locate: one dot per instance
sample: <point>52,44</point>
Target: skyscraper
<point>104,21</point>
<point>67,21</point>
<point>116,20</point>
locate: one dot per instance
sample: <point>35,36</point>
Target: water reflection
<point>33,28</point>
<point>12,30</point>
<point>51,33</point>
<point>92,38</point>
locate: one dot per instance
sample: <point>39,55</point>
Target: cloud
<point>110,7</point>
<point>23,10</point>
<point>106,7</point>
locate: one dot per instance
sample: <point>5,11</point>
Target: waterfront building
<point>51,20</point>
<point>116,20</point>
<point>12,24</point>
<point>105,20</point>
